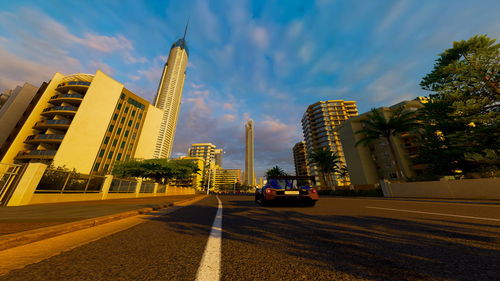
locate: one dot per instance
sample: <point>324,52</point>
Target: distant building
<point>249,176</point>
<point>196,179</point>
<point>86,122</point>
<point>206,151</point>
<point>12,113</point>
<point>225,179</point>
<point>4,96</point>
<point>369,164</point>
<point>318,125</point>
<point>300,159</point>
<point>169,96</point>
<point>218,156</point>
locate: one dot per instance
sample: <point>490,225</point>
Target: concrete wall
<point>81,142</point>
<point>452,189</point>
<point>149,133</point>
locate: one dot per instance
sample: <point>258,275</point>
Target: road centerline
<point>430,213</point>
<point>209,269</point>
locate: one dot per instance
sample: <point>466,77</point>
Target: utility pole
<point>208,184</point>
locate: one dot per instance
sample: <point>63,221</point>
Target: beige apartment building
<point>368,164</point>
<point>169,96</point>
<point>86,122</point>
<point>196,179</point>
<point>206,151</point>
<point>300,159</point>
<point>226,179</point>
<point>318,125</point>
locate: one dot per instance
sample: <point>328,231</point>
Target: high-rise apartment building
<point>225,179</point>
<point>206,151</point>
<point>249,176</point>
<point>86,122</point>
<point>196,180</point>
<point>368,164</point>
<point>300,159</point>
<point>218,156</point>
<point>14,107</point>
<point>318,125</point>
<point>169,95</point>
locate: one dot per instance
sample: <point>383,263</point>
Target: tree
<point>376,126</point>
<point>461,120</point>
<point>327,161</point>
<point>160,170</point>
<point>343,173</point>
<point>275,171</point>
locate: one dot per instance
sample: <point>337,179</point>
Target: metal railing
<point>66,108</point>
<point>73,96</point>
<point>147,187</point>
<point>59,181</point>
<point>38,152</point>
<point>122,186</point>
<point>45,137</point>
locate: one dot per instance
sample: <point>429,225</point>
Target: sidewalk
<point>23,218</point>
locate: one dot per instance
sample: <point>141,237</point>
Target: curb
<point>30,236</point>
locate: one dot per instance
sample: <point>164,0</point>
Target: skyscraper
<point>249,154</point>
<point>300,159</point>
<point>319,125</point>
<point>169,95</point>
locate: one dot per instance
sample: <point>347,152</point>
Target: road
<point>339,239</point>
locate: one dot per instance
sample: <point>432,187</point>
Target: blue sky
<point>265,60</point>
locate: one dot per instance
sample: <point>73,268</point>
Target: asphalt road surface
<point>338,239</point>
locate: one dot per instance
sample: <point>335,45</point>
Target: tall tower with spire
<point>249,177</point>
<point>169,95</point>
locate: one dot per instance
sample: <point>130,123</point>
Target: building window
<point>123,120</point>
<point>111,127</point>
<point>119,106</point>
<point>140,115</point>
<point>137,125</point>
<point>106,140</point>
<point>101,153</point>
<point>115,142</point>
<point>96,167</point>
<point>106,167</point>
<point>110,155</point>
<point>126,109</point>
<point>115,116</point>
<point>129,123</point>
<point>122,96</point>
<point>119,131</point>
<point>126,133</point>
<point>133,112</point>
<point>119,156</point>
<point>122,145</point>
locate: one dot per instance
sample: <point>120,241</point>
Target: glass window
<point>115,116</point>
<point>129,123</point>
<point>110,155</point>
<point>111,127</point>
<point>106,140</point>
<point>133,112</point>
<point>122,145</point>
<point>115,142</point>
<point>119,156</point>
<point>126,133</point>
<point>123,120</point>
<point>137,125</point>
<point>106,167</point>
<point>122,96</point>
<point>96,167</point>
<point>119,130</point>
<point>126,109</point>
<point>119,106</point>
<point>140,115</point>
<point>101,153</point>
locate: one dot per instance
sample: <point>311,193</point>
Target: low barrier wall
<point>451,189</point>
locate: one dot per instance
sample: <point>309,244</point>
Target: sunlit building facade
<point>226,179</point>
<point>206,151</point>
<point>300,159</point>
<point>318,125</point>
<point>86,122</point>
<point>249,175</point>
<point>169,96</point>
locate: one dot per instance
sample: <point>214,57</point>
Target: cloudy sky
<point>265,60</point>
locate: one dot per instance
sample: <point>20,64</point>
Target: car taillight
<point>312,190</point>
<point>269,190</point>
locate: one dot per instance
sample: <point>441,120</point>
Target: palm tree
<point>343,173</point>
<point>275,171</point>
<point>326,160</point>
<point>377,126</point>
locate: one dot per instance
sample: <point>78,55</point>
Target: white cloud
<point>260,37</point>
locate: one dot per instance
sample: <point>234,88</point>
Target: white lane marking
<point>437,214</point>
<point>209,269</point>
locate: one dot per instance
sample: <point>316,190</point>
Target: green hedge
<point>346,192</point>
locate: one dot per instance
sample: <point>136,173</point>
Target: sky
<point>265,60</point>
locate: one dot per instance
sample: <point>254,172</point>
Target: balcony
<point>60,110</point>
<point>36,154</point>
<point>44,138</point>
<point>69,98</point>
<point>79,86</point>
<point>52,124</point>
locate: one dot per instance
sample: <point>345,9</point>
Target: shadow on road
<point>367,247</point>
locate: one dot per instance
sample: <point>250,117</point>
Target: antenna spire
<point>185,30</point>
